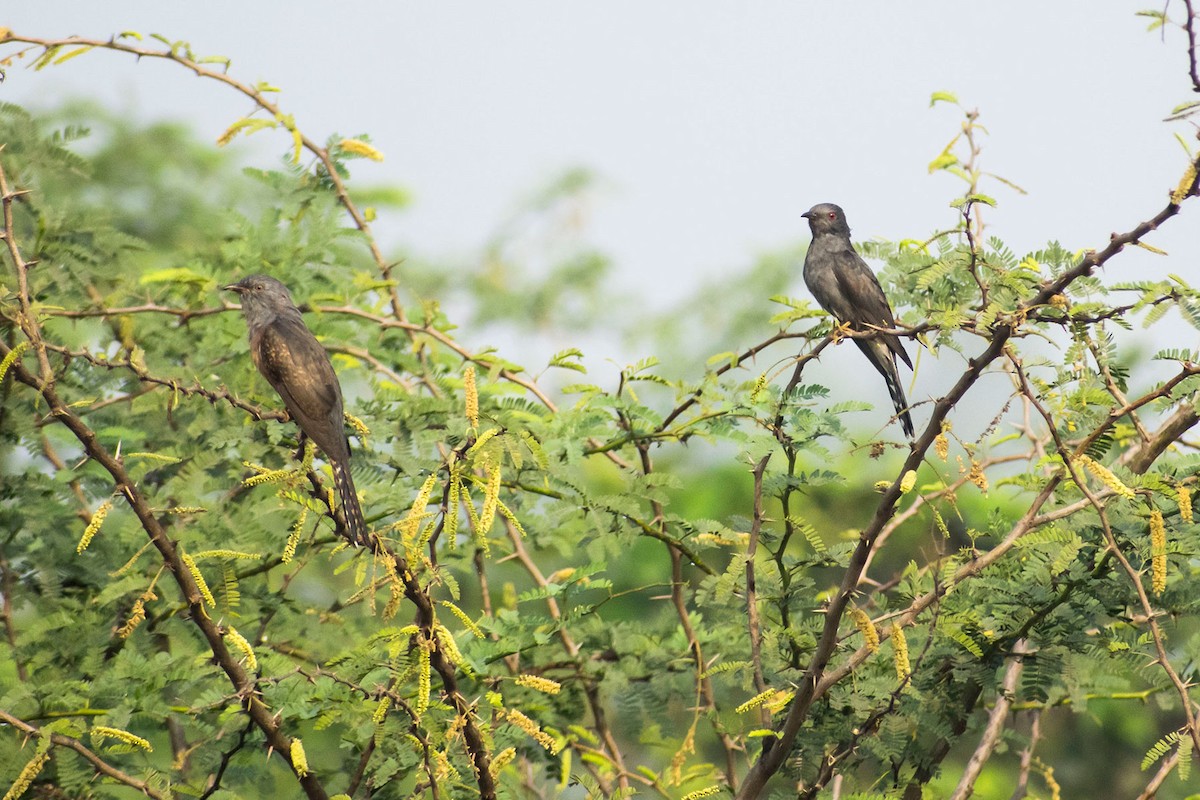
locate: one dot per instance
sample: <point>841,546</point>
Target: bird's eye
<point>832,215</point>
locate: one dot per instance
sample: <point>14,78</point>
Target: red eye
<point>832,215</point>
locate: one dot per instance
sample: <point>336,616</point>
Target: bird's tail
<point>356,526</point>
<point>883,359</point>
<point>892,378</point>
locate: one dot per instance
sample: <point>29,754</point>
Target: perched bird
<point>847,288</point>
<point>295,364</point>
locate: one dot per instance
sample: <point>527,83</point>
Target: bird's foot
<point>841,330</point>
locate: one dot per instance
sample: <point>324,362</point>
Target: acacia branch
<point>101,766</point>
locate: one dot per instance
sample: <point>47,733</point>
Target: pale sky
<point>712,126</point>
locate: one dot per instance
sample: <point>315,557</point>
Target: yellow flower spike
<point>1183,497</point>
<point>198,577</point>
<point>941,445</point>
<point>756,701</point>
<point>463,618</point>
<point>360,148</point>
<point>491,496</point>
<point>241,645</point>
<point>977,477</point>
<point>471,396</point>
<point>908,481</point>
<point>538,683</point>
<point>1185,184</point>
<point>534,731</point>
<point>93,526</point>
<point>104,732</point>
<point>381,710</point>
<point>1106,476</point>
<point>503,759</point>
<point>864,624</point>
<point>11,358</point>
<point>423,681</point>
<point>1158,552</point>
<point>293,540</point>
<point>299,758</point>
<point>900,652</point>
<point>30,771</point>
<point>707,791</point>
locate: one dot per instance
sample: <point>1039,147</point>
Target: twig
<point>995,725</point>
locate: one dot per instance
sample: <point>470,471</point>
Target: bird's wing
<point>869,305</point>
<point>295,364</point>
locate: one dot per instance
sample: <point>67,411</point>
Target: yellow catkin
<point>463,618</point>
<point>755,702</point>
<point>1048,776</point>
<point>543,685</point>
<point>227,554</point>
<point>759,384</point>
<point>864,624</point>
<point>394,601</point>
<point>503,759</point>
<point>1158,552</point>
<point>423,683</point>
<point>299,758</point>
<point>940,522</point>
<point>1185,184</point>
<point>269,476</point>
<point>507,513</point>
<point>360,148</point>
<point>483,439</point>
<point>104,732</point>
<point>707,791</point>
<point>448,646</point>
<point>471,395</point>
<point>359,426</point>
<point>198,577</point>
<point>450,517</point>
<point>416,513</point>
<point>12,357</point>
<point>241,645</point>
<point>491,496</point>
<point>941,445</point>
<point>900,652</point>
<point>381,710</point>
<point>293,540</point>
<point>25,778</point>
<point>908,481</point>
<point>534,732</point>
<point>1183,496</point>
<point>137,614</point>
<point>977,477</point>
<point>1105,476</point>
<point>93,525</point>
<point>779,702</point>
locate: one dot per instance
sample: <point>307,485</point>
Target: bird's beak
<point>807,215</point>
<point>233,287</point>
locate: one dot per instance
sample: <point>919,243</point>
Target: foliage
<point>679,583</point>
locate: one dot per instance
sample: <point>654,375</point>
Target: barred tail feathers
<point>356,526</point>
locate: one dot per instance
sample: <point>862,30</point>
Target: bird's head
<point>827,218</point>
<point>261,293</point>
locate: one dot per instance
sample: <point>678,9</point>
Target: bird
<point>298,368</point>
<point>846,287</point>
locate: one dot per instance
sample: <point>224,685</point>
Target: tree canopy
<point>701,578</point>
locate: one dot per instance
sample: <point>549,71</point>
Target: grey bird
<point>847,288</point>
<point>298,368</point>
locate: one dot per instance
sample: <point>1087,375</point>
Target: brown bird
<point>298,368</point>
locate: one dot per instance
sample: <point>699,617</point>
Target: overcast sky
<point>711,125</point>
